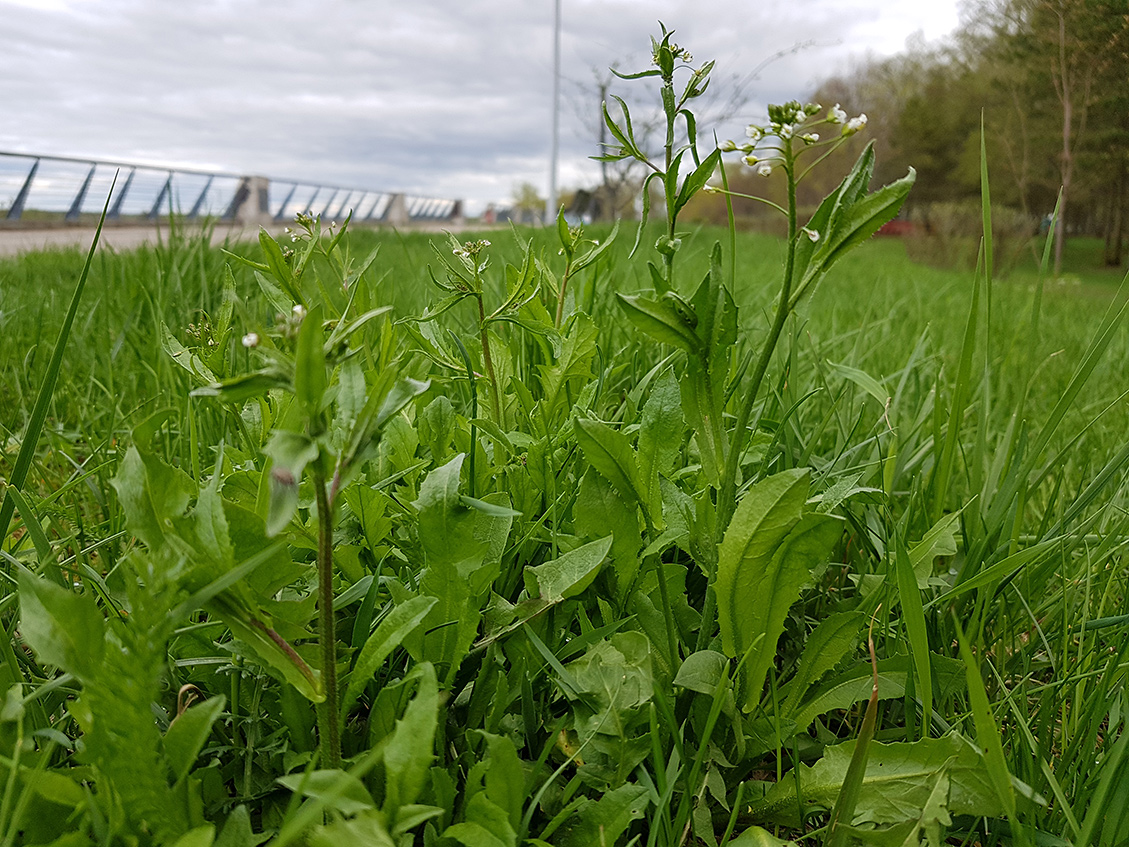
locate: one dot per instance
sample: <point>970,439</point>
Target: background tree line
<point>1051,80</point>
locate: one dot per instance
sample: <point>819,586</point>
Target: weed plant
<point>592,543</point>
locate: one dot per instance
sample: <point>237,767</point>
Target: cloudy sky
<point>449,98</point>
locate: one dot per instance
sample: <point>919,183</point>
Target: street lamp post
<point>551,207</point>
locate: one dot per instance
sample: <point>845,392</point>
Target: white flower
<point>836,115</point>
<point>754,132</point>
<point>251,339</point>
<point>810,137</point>
<point>810,233</point>
<point>300,311</point>
<point>785,131</point>
<point>765,169</point>
<point>727,146</point>
<point>854,125</point>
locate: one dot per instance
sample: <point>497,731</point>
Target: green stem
<point>561,295</point>
<point>727,501</point>
<point>488,362</point>
<point>329,721</point>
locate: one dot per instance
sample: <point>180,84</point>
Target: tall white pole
<point>551,208</point>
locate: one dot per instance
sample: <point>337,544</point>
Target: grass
<point>509,536</point>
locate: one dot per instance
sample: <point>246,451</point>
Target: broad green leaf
<point>578,349</point>
<point>397,625</point>
<point>592,255</point>
<point>701,671</point>
<point>152,495</point>
<point>897,785</point>
<point>339,790</point>
<point>237,831</point>
<point>853,688</point>
<point>610,453</point>
<point>603,821</point>
<point>365,830</point>
<point>808,544</point>
<point>408,750</point>
<point>660,436</point>
<point>201,836</point>
<point>185,357</point>
<point>607,687</point>
<point>756,836</point>
<point>830,211</point>
<point>462,549</point>
<point>761,521</point>
<point>717,317</point>
<point>598,511</point>
<point>240,389</point>
<point>505,777</point>
<point>278,267</point>
<point>940,540</point>
<point>660,320</point>
<point>64,628</point>
<point>309,362</point>
<point>188,732</point>
<point>859,222</point>
<point>568,575</point>
<point>290,452</point>
<point>486,824</point>
<point>825,648</point>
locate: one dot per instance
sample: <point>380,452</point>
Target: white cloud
<point>443,97</point>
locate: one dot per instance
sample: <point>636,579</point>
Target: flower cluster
<point>788,122</point>
<point>471,249</point>
<point>676,51</point>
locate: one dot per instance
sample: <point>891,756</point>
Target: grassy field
<point>545,625</point>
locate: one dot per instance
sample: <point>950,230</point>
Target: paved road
<point>15,241</point>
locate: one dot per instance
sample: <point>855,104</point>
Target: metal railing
<point>59,190</point>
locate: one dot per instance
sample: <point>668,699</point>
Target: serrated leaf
<point>608,451</point>
<point>825,648</point>
<point>658,319</point>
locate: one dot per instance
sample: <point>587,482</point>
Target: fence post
<point>21,198</point>
<point>251,204</point>
<point>397,211</point>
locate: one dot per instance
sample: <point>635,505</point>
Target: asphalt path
<point>17,240</point>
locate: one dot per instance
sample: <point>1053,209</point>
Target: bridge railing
<point>57,190</point>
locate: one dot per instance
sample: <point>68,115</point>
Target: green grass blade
<point>988,734</point>
<point>913,618</point>
<point>47,388</point>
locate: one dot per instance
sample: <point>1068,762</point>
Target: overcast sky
<point>449,98</point>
